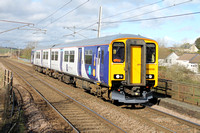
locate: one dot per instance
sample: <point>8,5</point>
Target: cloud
<point>34,11</point>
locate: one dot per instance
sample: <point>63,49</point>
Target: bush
<point>176,73</point>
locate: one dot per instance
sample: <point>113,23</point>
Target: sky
<point>49,22</point>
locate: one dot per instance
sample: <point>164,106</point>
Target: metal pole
<point>99,23</point>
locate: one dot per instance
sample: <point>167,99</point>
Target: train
<point>121,68</point>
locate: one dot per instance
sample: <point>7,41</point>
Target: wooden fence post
<point>5,78</point>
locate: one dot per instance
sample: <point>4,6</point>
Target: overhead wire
<point>177,15</point>
<point>14,28</point>
<point>55,11</point>
<point>153,11</point>
<point>75,33</point>
<point>8,21</point>
<point>134,9</point>
<point>136,15</point>
<point>120,14</point>
<point>67,13</point>
<point>115,14</point>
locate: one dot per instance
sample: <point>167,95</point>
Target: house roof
<point>163,53</point>
<point>196,59</point>
<point>194,48</point>
<point>187,56</point>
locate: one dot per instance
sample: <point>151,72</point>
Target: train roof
<point>94,41</point>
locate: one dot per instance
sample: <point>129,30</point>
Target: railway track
<point>77,115</point>
<point>160,120</point>
<point>164,121</point>
<point>191,126</point>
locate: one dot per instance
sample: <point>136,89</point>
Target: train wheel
<point>50,74</point>
<point>60,77</point>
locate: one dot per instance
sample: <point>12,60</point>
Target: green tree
<point>185,45</point>
<point>197,42</point>
<point>26,53</point>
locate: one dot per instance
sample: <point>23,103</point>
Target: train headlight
<point>149,76</point>
<point>118,76</point>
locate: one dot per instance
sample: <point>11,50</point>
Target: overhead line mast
<point>99,23</point>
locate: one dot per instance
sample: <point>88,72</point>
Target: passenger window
<point>102,57</point>
<point>47,55</point>
<point>38,55</point>
<point>88,57</point>
<point>66,56</point>
<point>56,55</point>
<point>151,53</point>
<point>118,52</point>
<point>52,55</point>
<point>44,55</point>
<point>71,56</point>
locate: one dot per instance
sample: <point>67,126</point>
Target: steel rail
<point>151,123</point>
<point>76,101</point>
<point>121,130</point>
<point>181,120</point>
<point>74,128</point>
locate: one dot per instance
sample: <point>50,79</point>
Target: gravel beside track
<point>121,116</point>
<point>36,122</point>
<point>182,107</point>
<point>170,122</point>
<point>82,119</point>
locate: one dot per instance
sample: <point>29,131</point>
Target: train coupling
<point>120,97</point>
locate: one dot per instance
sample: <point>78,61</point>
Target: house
<point>190,61</point>
<point>192,49</point>
<point>194,64</point>
<point>189,49</point>
<point>168,59</point>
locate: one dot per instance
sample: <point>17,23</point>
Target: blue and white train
<point>121,68</point>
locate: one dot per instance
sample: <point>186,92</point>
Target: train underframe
<point>118,93</point>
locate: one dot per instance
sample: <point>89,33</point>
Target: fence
<point>185,92</point>
<point>11,106</point>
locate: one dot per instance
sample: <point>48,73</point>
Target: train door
<point>135,65</point>
<point>61,59</point>
<point>41,57</point>
<point>98,63</point>
<point>79,61</point>
<point>136,62</point>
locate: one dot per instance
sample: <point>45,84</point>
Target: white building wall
<point>170,60</point>
<point>183,63</point>
<point>193,67</point>
<point>161,62</point>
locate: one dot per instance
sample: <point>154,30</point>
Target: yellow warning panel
<point>135,77</point>
<point>94,72</point>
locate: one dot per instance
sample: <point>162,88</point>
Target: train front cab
<point>133,70</point>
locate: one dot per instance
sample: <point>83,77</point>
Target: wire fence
<point>189,93</point>
<point>12,109</point>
